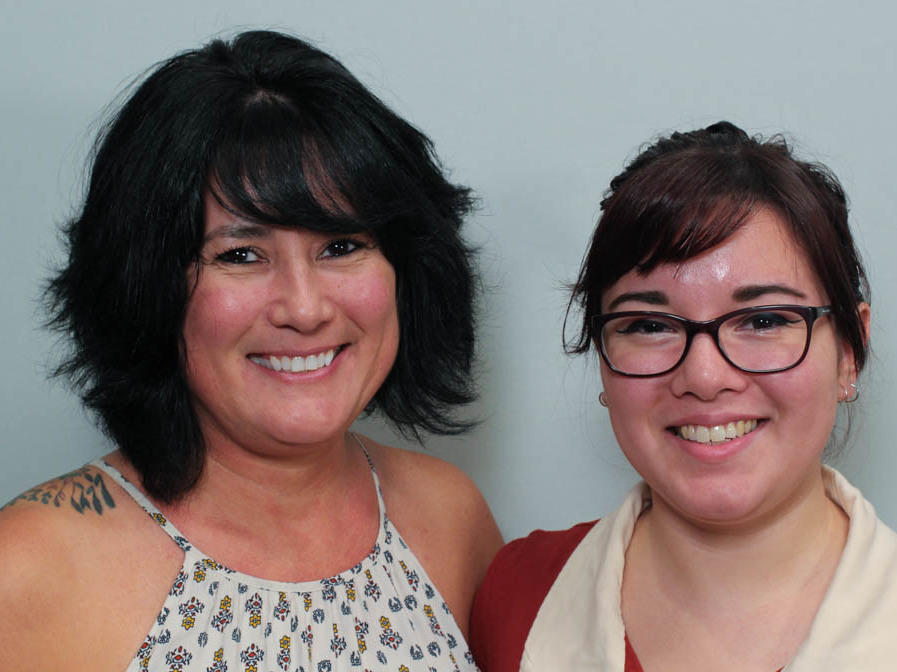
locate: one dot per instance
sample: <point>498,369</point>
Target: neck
<point>279,482</point>
<point>293,515</point>
<point>788,550</point>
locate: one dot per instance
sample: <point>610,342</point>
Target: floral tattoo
<point>84,489</point>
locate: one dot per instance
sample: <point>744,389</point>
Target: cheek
<point>631,402</point>
<point>370,303</point>
<point>809,394</point>
<point>631,394</point>
<point>815,380</point>
<point>213,314</point>
<point>372,299</point>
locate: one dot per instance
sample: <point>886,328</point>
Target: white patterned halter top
<point>382,614</point>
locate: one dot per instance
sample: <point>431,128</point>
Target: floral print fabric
<point>382,614</point>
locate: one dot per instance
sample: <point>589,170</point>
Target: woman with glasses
<point>724,296</point>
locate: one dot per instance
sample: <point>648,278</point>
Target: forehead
<point>221,222</point>
<point>762,252</point>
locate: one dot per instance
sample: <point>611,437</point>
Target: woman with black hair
<point>725,297</point>
<point>265,252</point>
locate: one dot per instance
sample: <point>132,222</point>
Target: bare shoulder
<point>83,490</point>
<point>49,534</point>
<point>433,488</point>
<point>67,545</point>
<point>443,517</point>
<point>41,525</point>
<point>408,468</point>
<point>48,527</point>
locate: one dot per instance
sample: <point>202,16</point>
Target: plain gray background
<point>536,105</point>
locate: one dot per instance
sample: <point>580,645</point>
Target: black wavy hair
<point>288,138</point>
<point>689,192</point>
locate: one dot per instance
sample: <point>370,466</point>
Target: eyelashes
<point>334,248</point>
<point>342,247</point>
<point>239,255</point>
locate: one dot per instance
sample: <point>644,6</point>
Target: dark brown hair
<point>689,192</point>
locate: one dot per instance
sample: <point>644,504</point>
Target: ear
<point>847,370</point>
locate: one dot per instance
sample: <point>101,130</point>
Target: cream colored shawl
<point>580,626</point>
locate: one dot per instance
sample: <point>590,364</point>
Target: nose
<point>299,297</point>
<point>705,373</point>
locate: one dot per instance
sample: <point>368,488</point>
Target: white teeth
<point>296,364</point>
<point>730,431</point>
<point>716,433</point>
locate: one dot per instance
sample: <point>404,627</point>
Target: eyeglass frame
<point>710,327</point>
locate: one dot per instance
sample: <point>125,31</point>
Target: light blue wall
<point>536,105</point>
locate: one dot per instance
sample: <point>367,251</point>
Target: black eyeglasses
<point>761,339</point>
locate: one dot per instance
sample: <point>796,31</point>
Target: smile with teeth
<point>296,364</point>
<point>716,433</point>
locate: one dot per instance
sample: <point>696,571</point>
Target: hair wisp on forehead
<point>688,217</point>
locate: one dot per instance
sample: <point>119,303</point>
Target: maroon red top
<point>512,593</point>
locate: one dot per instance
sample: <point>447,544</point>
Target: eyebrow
<point>746,293</point>
<point>750,292</point>
<point>654,298</point>
<point>239,230</point>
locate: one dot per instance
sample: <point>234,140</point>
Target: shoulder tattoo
<point>83,489</point>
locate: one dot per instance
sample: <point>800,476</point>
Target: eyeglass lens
<point>766,340</point>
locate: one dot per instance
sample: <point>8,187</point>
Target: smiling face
<point>288,333</point>
<point>737,480</point>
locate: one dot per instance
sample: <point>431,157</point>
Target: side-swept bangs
<point>272,164</point>
<point>294,160</point>
<point>701,204</point>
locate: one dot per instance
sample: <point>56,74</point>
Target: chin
<point>718,503</point>
<point>306,435</point>
<point>307,421</point>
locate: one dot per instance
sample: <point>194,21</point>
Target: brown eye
<point>238,255</point>
<point>644,326</point>
<point>767,321</point>
<point>341,247</point>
